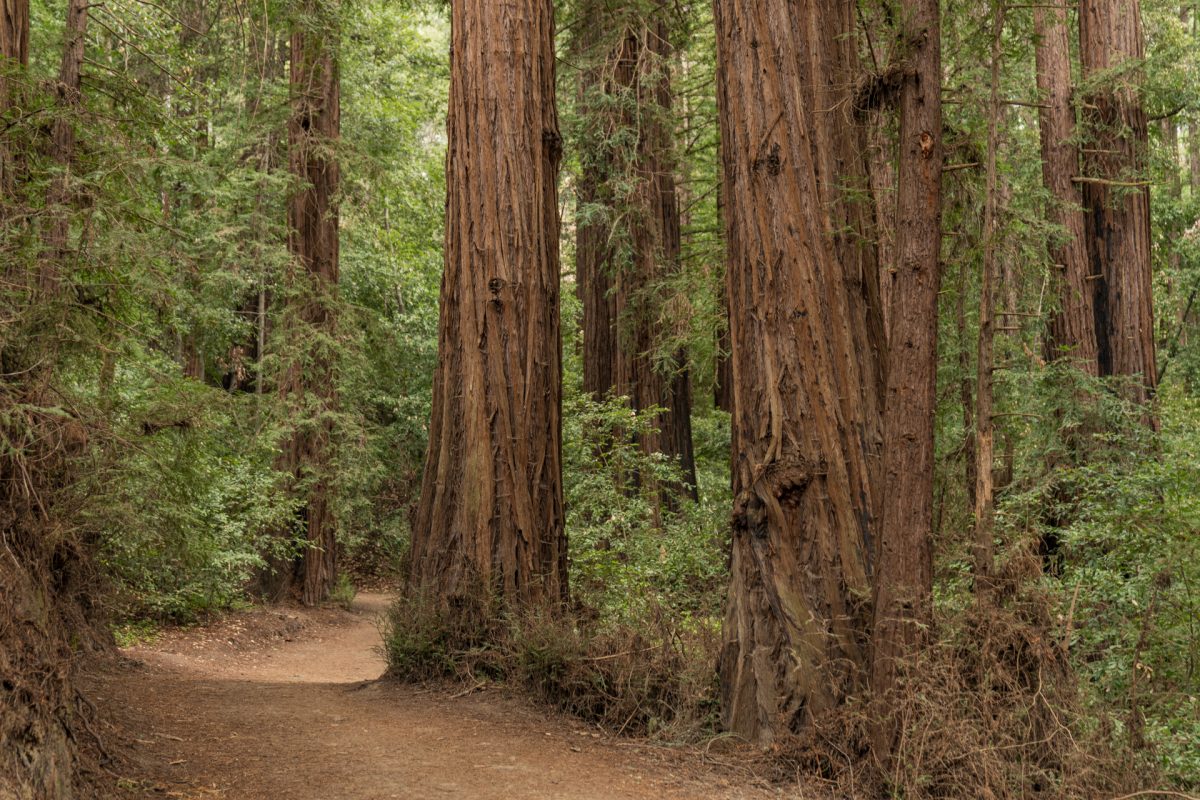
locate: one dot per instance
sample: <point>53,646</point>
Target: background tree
<point>1115,194</point>
<point>308,381</point>
<point>1073,325</point>
<point>14,54</point>
<point>628,240</point>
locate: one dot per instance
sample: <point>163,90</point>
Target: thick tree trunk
<point>807,379</point>
<point>490,517</point>
<point>617,269</point>
<point>904,588</point>
<point>56,235</point>
<point>1115,195</point>
<point>14,35</point>
<point>44,570</point>
<point>308,381</point>
<point>1072,331</point>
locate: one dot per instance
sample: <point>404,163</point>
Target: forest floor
<point>281,703</point>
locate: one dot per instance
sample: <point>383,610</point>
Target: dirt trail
<point>271,705</point>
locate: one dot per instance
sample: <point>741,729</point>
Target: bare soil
<point>275,704</point>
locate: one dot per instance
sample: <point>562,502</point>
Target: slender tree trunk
<point>904,588</point>
<point>191,111</point>
<point>308,381</point>
<point>966,394</point>
<point>985,490</point>
<point>56,236</point>
<point>1073,325</point>
<point>1115,195</point>
<point>14,50</point>
<point>593,248</point>
<point>1194,155</point>
<point>490,517</point>
<point>807,378</point>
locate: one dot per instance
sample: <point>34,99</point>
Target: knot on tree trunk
<point>772,487</point>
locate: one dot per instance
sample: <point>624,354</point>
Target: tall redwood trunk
<point>1115,194</point>
<point>904,586</point>
<point>723,383</point>
<point>1073,326</point>
<point>14,50</point>
<point>628,93</point>
<point>308,381</point>
<point>805,334</point>
<point>490,517</point>
<point>56,235</point>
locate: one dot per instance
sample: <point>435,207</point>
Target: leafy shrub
<point>630,552</point>
<point>183,498</point>
<point>1117,518</point>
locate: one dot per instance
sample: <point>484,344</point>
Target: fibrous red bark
<point>1073,325</point>
<point>805,336</point>
<point>59,196</point>
<point>308,381</point>
<point>490,516</point>
<point>904,579</point>
<point>1116,197</point>
<point>14,51</point>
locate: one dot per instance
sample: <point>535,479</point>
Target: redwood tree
<point>904,586</point>
<point>1115,195</point>
<point>628,172</point>
<point>14,51</point>
<point>805,334</point>
<point>308,379</point>
<point>490,517</point>
<point>56,235</point>
<point>1073,325</point>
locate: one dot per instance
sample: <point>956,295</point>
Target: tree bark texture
<point>904,585</point>
<point>882,173</point>
<point>308,380</point>
<point>1072,331</point>
<point>59,196</point>
<point>14,51</point>
<point>723,383</point>
<point>618,269</point>
<point>805,333</point>
<point>490,516</point>
<point>1115,196</point>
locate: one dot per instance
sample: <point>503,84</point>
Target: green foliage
<point>184,496</point>
<point>646,675</point>
<point>343,592</point>
<point>135,632</point>
<point>629,551</point>
<point>1117,516</point>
